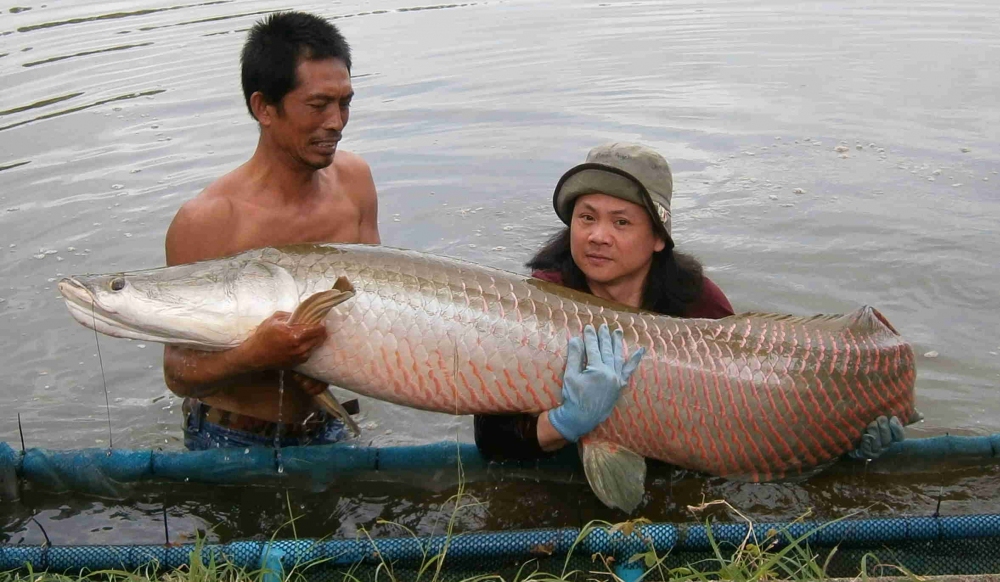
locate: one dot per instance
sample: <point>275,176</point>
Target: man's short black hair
<point>275,46</point>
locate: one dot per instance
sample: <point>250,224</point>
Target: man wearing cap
<point>617,245</point>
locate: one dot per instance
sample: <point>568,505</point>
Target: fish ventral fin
<point>866,319</point>
<point>616,474</point>
<point>312,311</point>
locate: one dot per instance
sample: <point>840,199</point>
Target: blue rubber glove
<point>589,393</point>
<point>878,436</point>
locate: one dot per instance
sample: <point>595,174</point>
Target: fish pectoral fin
<point>316,307</point>
<point>332,406</point>
<point>616,474</point>
<point>314,310</point>
<point>342,284</point>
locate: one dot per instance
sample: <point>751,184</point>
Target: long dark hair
<point>673,284</point>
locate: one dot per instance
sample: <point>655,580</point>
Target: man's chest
<point>334,221</point>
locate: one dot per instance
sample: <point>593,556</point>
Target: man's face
<point>612,240</point>
<point>309,123</point>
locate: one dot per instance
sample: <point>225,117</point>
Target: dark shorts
<point>201,434</point>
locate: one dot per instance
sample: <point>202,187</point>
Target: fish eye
<point>118,283</point>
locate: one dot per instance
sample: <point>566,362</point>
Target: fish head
<point>209,305</point>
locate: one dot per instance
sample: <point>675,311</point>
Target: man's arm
<point>361,187</point>
<point>274,345</point>
<point>198,232</point>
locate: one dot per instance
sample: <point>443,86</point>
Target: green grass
<point>775,555</point>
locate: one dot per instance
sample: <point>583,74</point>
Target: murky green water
<point>112,114</point>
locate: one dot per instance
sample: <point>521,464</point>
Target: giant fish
<point>753,396</point>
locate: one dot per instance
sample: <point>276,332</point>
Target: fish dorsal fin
<point>866,320</point>
<point>316,307</point>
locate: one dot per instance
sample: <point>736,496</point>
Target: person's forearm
<point>549,438</point>
<point>197,374</point>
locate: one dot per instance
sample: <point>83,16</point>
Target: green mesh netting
<point>924,546</point>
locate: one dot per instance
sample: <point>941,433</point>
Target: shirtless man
<point>296,188</point>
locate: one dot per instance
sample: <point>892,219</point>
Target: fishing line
<point>166,529</point>
<point>48,542</point>
<point>20,431</point>
<point>100,360</point>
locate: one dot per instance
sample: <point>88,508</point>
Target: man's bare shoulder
<point>202,226</point>
<point>355,180</point>
<point>352,168</point>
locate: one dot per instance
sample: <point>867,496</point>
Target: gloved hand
<point>879,435</point>
<point>589,393</point>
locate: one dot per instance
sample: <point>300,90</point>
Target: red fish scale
<point>752,395</point>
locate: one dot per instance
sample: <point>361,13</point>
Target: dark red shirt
<point>712,304</point>
<point>515,436</point>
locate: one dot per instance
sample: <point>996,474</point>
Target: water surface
<point>825,155</point>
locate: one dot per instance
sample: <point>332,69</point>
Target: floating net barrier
<point>933,545</point>
<point>100,471</point>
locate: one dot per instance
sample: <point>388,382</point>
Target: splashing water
<point>279,430</point>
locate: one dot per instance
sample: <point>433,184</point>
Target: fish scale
<point>757,396</point>
<point>754,396</point>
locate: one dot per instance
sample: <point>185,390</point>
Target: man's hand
<point>590,393</point>
<point>276,345</point>
<point>878,436</point>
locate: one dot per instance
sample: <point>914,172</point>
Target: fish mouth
<point>85,310</point>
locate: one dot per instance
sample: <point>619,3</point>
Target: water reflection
<point>825,157</point>
<point>114,16</point>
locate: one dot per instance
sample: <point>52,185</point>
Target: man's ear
<point>262,110</point>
